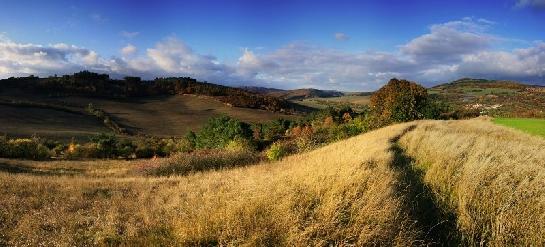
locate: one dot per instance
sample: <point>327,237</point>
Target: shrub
<point>200,160</point>
<point>25,149</point>
<point>218,131</point>
<point>240,145</point>
<point>85,151</point>
<point>277,151</point>
<point>145,148</point>
<point>106,144</point>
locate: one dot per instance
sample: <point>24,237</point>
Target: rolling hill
<point>396,186</point>
<point>57,106</point>
<point>493,97</point>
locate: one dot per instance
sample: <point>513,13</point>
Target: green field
<point>531,125</point>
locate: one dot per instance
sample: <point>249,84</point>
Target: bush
<point>85,151</point>
<point>106,145</point>
<point>24,149</point>
<point>277,151</point>
<point>200,160</point>
<point>219,131</point>
<point>240,145</point>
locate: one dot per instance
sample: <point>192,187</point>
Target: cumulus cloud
<point>448,42</point>
<point>341,36</point>
<point>24,59</point>
<point>462,48</point>
<point>128,50</point>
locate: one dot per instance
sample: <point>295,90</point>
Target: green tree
<point>218,131</point>
<point>399,101</point>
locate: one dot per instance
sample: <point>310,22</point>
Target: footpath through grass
<point>531,125</point>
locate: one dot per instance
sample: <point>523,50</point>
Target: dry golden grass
<point>346,193</point>
<point>491,177</point>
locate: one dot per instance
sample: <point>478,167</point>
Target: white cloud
<point>341,36</point>
<point>448,42</point>
<point>463,48</point>
<point>129,35</point>
<point>128,50</point>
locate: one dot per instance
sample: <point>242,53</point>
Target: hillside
<point>491,97</point>
<point>57,106</point>
<point>375,192</point>
<point>160,116</point>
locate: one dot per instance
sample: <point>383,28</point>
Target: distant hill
<point>59,106</point>
<point>295,94</point>
<point>91,84</point>
<point>493,97</point>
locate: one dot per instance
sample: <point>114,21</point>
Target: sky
<point>341,45</point>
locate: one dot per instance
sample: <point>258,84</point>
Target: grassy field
<point>164,116</point>
<point>355,101</point>
<point>532,126</point>
<point>421,183</point>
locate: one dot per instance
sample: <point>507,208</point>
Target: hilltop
<point>493,97</point>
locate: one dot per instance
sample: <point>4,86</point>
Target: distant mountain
<point>493,97</point>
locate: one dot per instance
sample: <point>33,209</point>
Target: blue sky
<point>344,45</point>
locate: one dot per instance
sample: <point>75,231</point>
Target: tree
<point>219,131</point>
<point>399,101</point>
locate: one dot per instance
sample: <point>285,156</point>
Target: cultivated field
<point>160,116</point>
<point>355,101</point>
<point>420,183</point>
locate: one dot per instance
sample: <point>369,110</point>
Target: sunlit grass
<point>530,125</point>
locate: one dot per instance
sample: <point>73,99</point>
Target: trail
<point>438,226</point>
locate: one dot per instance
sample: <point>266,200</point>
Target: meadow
<point>467,182</point>
<point>529,125</point>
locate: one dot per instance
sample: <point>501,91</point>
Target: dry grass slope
<point>343,194</point>
<point>491,177</point>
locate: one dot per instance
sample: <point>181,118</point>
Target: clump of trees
<point>101,85</point>
<point>402,101</point>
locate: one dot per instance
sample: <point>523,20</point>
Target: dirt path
<point>438,225</point>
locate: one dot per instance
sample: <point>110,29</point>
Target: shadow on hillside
<point>439,226</point>
<point>24,169</point>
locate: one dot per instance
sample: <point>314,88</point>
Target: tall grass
<point>343,194</point>
<point>491,177</point>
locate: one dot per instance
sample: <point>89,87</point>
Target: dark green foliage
<point>218,131</point>
<point>401,101</point>
<point>93,84</point>
<point>23,149</point>
<point>106,144</point>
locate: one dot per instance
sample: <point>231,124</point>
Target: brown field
<point>164,116</point>
<point>27,121</point>
<point>421,183</point>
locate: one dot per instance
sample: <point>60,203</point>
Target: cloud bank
<point>461,48</point>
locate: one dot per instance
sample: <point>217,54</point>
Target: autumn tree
<point>399,101</point>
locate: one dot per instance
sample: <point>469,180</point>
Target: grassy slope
<point>315,198</point>
<point>165,116</point>
<point>491,177</point>
<point>532,126</point>
<point>26,121</point>
<point>393,186</point>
